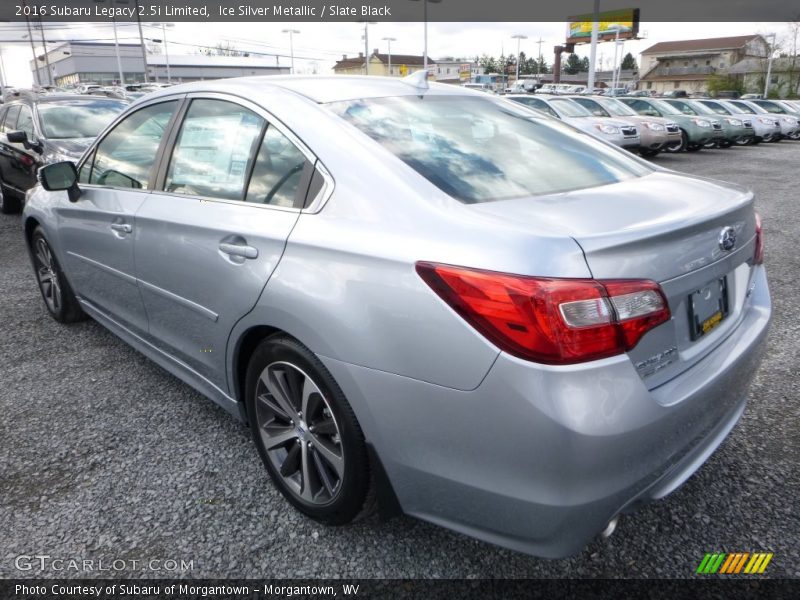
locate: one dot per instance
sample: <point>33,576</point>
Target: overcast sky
<point>319,45</point>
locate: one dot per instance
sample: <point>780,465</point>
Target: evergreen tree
<point>629,63</point>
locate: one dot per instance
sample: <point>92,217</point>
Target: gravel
<point>105,456</point>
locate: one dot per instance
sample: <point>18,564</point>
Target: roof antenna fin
<point>418,79</point>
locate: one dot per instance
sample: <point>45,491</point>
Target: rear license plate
<point>708,307</point>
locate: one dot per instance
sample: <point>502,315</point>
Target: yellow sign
<point>579,28</point>
<point>403,70</point>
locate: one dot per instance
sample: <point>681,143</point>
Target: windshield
<point>478,150</point>
<point>665,107</point>
<point>593,106</point>
<point>568,108</point>
<point>618,109</point>
<point>771,107</point>
<point>77,118</point>
<point>716,107</point>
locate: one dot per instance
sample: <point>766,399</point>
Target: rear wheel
<point>8,204</point>
<point>56,291</point>
<point>307,433</point>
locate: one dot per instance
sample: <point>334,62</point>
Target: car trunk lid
<point>667,228</point>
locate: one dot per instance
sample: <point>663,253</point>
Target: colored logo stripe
<point>723,563</point>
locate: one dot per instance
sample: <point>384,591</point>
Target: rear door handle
<point>121,227</point>
<point>239,250</point>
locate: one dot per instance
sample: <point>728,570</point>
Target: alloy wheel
<point>300,433</point>
<point>47,274</point>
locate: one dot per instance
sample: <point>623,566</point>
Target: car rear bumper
<point>540,458</point>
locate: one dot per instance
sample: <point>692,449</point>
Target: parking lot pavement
<point>103,455</point>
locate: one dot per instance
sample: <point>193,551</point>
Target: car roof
<point>317,88</point>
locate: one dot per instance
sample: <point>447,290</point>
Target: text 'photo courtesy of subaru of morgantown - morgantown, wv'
<point>485,312</point>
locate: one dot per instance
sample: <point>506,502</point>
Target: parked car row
<point>653,125</point>
<point>37,129</point>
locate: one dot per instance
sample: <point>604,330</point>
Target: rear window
<point>478,150</point>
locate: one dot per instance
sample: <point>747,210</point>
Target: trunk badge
<point>727,238</point>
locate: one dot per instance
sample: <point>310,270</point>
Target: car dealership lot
<point>104,455</point>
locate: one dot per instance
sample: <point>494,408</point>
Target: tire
<point>648,152</point>
<point>315,454</point>
<point>679,147</point>
<point>693,147</point>
<point>57,294</point>
<point>9,204</point>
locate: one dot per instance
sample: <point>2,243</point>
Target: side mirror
<point>20,137</point>
<point>61,176</point>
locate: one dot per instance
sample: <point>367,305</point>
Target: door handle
<point>121,227</point>
<point>239,250</point>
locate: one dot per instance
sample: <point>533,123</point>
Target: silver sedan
<point>419,297</point>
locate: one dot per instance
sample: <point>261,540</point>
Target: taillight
<point>758,255</point>
<point>548,320</point>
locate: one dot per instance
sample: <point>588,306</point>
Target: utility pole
<point>519,37</point>
<point>769,66</point>
<point>44,49</point>
<point>539,42</point>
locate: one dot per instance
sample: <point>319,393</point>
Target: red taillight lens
<point>758,255</point>
<point>548,320</point>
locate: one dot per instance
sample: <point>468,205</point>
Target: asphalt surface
<point>103,455</point>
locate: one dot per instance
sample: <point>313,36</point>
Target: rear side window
<point>277,174</point>
<point>478,150</point>
<point>126,156</point>
<point>214,151</point>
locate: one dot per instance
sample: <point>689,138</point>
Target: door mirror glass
<point>60,176</point>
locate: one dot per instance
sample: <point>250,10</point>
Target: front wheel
<point>648,152</point>
<point>56,292</point>
<point>307,433</point>
<point>684,143</point>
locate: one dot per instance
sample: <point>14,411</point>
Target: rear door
<point>231,190</point>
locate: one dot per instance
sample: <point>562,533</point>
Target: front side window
<point>214,151</point>
<point>126,156</point>
<point>479,150</point>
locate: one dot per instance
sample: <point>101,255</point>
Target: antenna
<point>418,79</point>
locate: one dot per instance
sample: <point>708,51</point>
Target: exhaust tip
<point>612,525</point>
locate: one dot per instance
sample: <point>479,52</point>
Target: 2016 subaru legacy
<point>418,296</point>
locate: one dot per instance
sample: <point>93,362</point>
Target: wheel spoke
<point>278,436</point>
<point>322,471</point>
<point>292,461</point>
<point>310,399</point>
<point>305,487</point>
<point>44,276</point>
<point>326,451</point>
<point>273,406</point>
<point>56,295</point>
<point>278,391</point>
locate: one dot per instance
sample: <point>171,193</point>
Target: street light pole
<point>769,66</point>
<point>141,39</point>
<point>291,33</point>
<point>518,37</point>
<point>44,50</point>
<point>425,30</point>
<point>593,50</point>
<point>33,51</point>
<point>389,40</point>
<point>614,72</point>
<point>116,48</point>
<point>166,50</point>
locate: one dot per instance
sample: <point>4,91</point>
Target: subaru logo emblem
<point>727,239</point>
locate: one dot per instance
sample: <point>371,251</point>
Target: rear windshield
<point>77,118</point>
<point>478,150</point>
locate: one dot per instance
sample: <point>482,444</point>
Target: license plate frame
<point>708,307</point>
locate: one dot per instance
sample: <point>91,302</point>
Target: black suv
<point>37,129</point>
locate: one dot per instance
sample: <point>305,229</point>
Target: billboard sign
<point>579,28</point>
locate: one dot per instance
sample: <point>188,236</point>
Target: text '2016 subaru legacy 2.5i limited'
<point>419,296</point>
